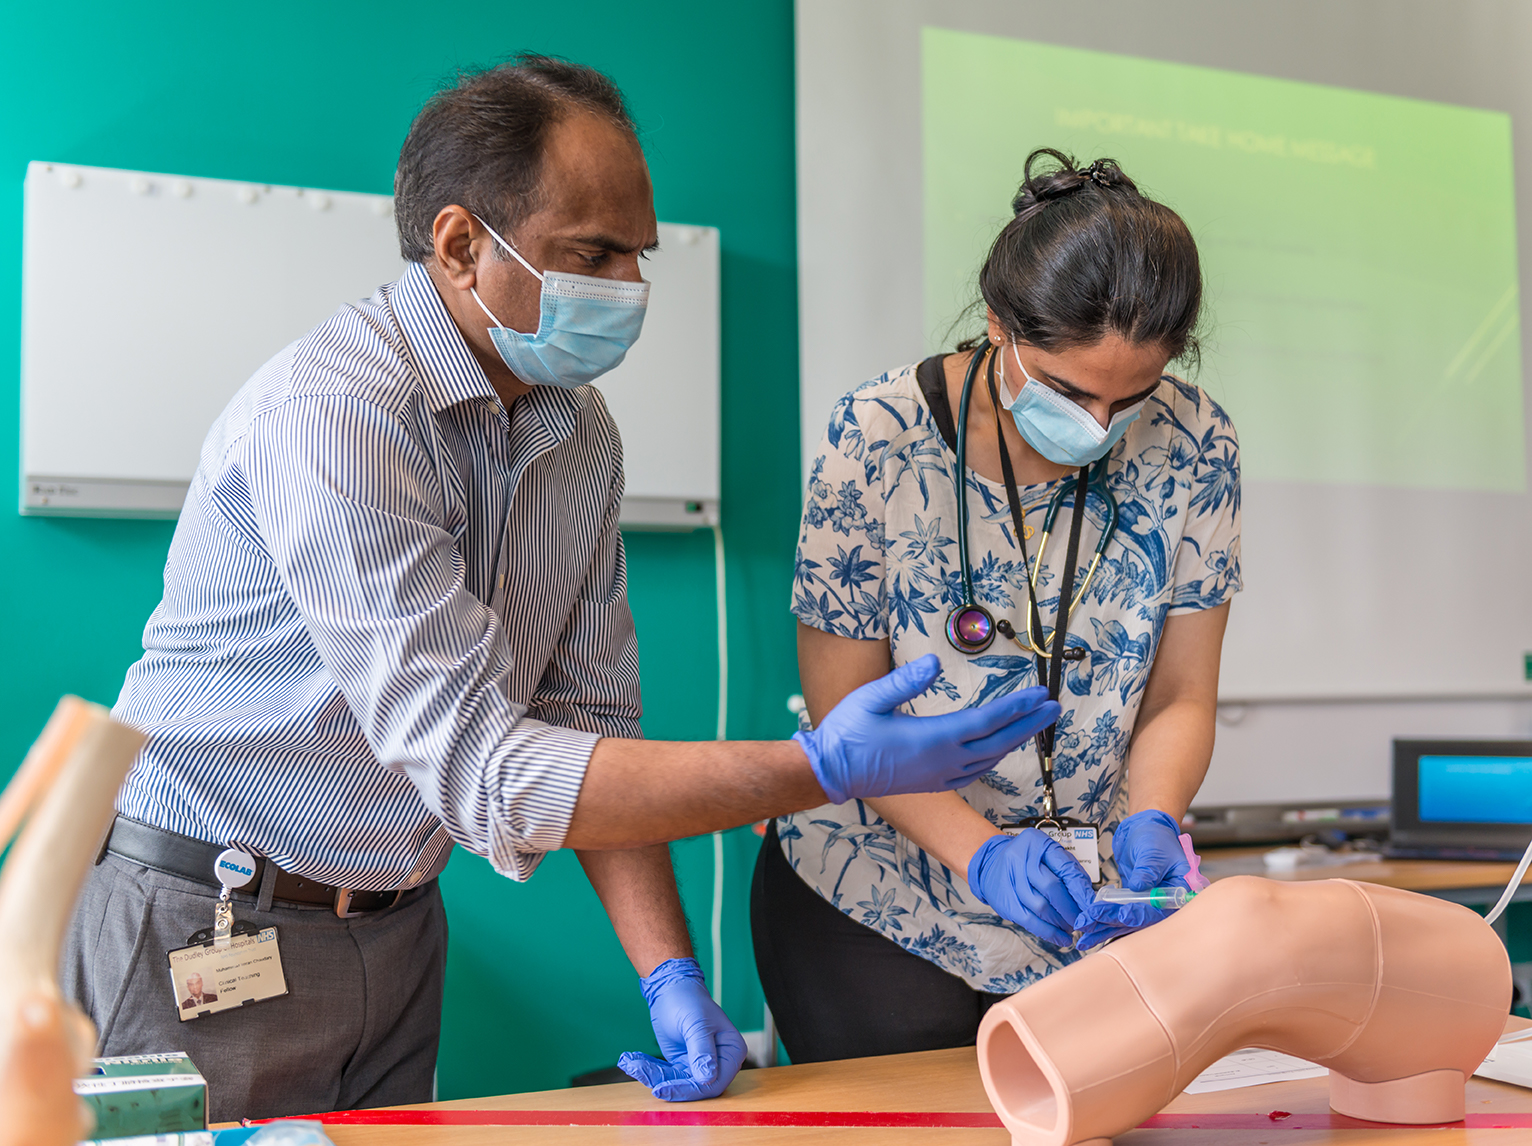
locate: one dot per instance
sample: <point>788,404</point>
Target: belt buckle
<point>343,897</point>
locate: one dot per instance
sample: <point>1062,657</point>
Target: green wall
<point>320,95</point>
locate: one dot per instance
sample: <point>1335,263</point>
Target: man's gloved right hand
<point>1031,880</point>
<point>865,747</point>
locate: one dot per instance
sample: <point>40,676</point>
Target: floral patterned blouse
<point>877,558</point>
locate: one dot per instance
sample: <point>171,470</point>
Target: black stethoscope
<point>971,628</point>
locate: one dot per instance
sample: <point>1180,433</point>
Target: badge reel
<point>229,964</point>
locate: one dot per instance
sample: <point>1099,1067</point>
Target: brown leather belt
<point>193,859</point>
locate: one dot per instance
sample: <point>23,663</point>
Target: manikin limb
<point>66,788</point>
<point>1399,994</point>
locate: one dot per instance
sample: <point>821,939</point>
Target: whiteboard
<point>1364,592</point>
<point>665,394</point>
<point>149,299</point>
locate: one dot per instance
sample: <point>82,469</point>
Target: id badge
<point>206,978</point>
<point>1074,836</point>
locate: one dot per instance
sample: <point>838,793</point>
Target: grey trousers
<point>358,1028</point>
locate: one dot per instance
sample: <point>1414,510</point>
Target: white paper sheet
<point>1252,1067</point>
<point>1510,1060</point>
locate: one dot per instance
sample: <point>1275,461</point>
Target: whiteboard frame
<point>122,223</point>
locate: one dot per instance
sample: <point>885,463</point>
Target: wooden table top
<point>935,1098</point>
<point>1410,875</point>
<point>923,1088</point>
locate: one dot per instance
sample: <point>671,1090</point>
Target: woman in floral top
<point>891,925</point>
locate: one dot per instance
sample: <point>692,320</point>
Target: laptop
<point>1461,799</point>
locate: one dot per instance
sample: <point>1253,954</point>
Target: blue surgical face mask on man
<point>1063,432</point>
<point>585,328</point>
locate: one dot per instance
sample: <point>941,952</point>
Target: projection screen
<point>1351,171</point>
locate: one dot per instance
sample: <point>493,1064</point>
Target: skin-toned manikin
<point>1400,995</point>
<point>65,789</point>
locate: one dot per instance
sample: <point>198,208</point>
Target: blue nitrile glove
<point>703,1051</point>
<point>864,747</point>
<point>1032,881</point>
<point>1147,848</point>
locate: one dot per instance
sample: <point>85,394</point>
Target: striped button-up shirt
<point>395,613</point>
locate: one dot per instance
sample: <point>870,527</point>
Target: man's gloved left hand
<point>1147,848</point>
<point>703,1051</point>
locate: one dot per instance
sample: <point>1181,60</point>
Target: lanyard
<point>1050,670</point>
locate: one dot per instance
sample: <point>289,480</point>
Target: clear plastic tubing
<point>1163,898</point>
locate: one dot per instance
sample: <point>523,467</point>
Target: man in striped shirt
<point>395,619</point>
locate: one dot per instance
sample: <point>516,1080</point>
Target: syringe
<point>1163,898</point>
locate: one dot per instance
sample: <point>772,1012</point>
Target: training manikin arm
<point>943,823</point>
<point>65,789</point>
<point>1173,734</point>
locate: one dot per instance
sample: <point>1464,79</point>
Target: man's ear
<point>452,238</point>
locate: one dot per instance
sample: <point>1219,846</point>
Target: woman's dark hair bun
<point>1087,255</point>
<point>1060,177</point>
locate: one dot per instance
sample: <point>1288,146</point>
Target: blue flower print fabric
<point>877,558</point>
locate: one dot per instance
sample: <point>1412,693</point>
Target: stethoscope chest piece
<point>970,628</point>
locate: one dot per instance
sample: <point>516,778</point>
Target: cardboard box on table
<point>145,1094</point>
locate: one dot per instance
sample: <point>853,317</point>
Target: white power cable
<point>1510,888</point>
<point>722,734</point>
<point>723,635</point>
<point>718,918</point>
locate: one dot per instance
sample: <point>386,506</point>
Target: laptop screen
<point>1475,789</point>
<point>1462,794</point>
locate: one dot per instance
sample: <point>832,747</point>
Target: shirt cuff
<point>540,779</point>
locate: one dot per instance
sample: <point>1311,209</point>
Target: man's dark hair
<point>1087,255</point>
<point>480,143</point>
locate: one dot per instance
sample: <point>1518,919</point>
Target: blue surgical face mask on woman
<point>585,327</point>
<point>1063,432</point>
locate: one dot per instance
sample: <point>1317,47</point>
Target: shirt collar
<point>447,367</point>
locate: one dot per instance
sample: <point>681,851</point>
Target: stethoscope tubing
<point>969,616</point>
<point>962,477</point>
<point>969,607</point>
<point>1095,484</point>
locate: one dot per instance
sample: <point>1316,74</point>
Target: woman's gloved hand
<point>1148,851</point>
<point>703,1050</point>
<point>1031,880</point>
<point>865,747</point>
<point>1147,848</point>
